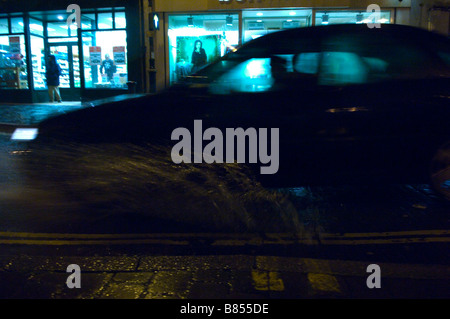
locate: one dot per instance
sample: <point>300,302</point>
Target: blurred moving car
<point>353,104</point>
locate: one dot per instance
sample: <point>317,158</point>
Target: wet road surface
<point>115,216</point>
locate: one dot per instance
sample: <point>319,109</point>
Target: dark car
<point>352,104</point>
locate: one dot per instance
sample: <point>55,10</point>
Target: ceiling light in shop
<point>259,14</point>
<point>60,18</point>
<point>292,13</point>
<point>325,19</point>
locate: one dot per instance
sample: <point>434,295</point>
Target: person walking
<point>52,74</point>
<point>108,67</point>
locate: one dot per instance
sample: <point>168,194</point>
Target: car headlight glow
<point>24,134</point>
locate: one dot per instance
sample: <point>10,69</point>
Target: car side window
<point>283,63</point>
<point>274,73</point>
<point>358,59</point>
<point>340,68</point>
<point>250,76</point>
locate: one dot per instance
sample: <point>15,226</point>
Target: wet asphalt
<point>135,239</point>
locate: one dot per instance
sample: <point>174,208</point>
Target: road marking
<point>267,281</point>
<point>383,238</point>
<point>323,283</point>
<point>390,234</point>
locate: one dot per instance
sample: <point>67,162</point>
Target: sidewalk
<point>214,277</point>
<point>32,113</point>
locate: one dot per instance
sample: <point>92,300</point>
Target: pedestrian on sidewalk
<point>52,74</point>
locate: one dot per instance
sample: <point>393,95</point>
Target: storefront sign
<point>119,55</point>
<point>95,55</point>
<point>14,45</point>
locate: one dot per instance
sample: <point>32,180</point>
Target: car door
<point>389,105</point>
<point>261,91</point>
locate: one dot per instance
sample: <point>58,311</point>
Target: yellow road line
<point>267,281</point>
<point>323,283</point>
<point>409,237</point>
<point>91,242</point>
<point>390,234</point>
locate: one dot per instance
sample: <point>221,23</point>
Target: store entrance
<point>67,56</point>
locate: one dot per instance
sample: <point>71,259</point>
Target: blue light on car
<point>24,134</point>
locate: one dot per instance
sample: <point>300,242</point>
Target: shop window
<point>105,64</point>
<point>58,29</point>
<point>257,23</point>
<point>120,20</point>
<point>4,26</point>
<point>87,21</point>
<point>13,70</point>
<point>105,20</point>
<point>38,62</point>
<point>344,17</point>
<point>17,25</point>
<point>36,27</point>
<point>214,34</point>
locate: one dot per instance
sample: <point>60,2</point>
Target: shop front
<point>97,55</point>
<point>221,26</point>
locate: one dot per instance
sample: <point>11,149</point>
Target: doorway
<point>67,56</point>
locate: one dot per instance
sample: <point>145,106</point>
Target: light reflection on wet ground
<point>123,188</point>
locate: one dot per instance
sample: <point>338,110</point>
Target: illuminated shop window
<point>346,17</point>
<point>87,21</point>
<point>120,20</point>
<point>38,62</point>
<point>13,69</point>
<point>105,63</point>
<point>17,25</point>
<point>36,27</point>
<point>257,23</point>
<point>214,35</point>
<point>105,20</point>
<point>4,26</point>
<point>104,48</point>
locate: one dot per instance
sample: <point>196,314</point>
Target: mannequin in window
<point>198,56</point>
